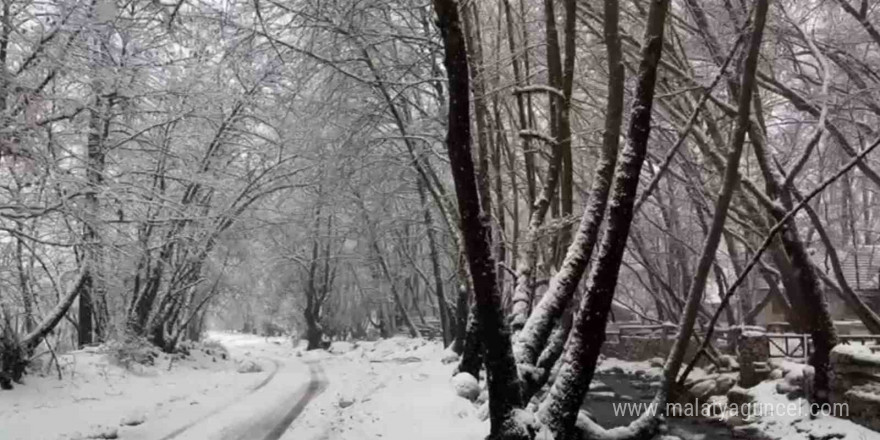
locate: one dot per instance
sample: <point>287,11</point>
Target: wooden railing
<point>724,335</point>
<point>782,344</point>
<point>800,346</point>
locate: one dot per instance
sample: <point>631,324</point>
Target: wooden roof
<point>860,265</point>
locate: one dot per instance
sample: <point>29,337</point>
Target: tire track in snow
<point>276,366</point>
<point>271,424</point>
<point>317,384</point>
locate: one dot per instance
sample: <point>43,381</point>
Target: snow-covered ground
<point>98,399</point>
<point>789,419</point>
<point>391,389</point>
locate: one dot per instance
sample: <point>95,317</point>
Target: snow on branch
<point>537,135</point>
<point>538,88</point>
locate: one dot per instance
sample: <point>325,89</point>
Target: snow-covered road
<point>393,389</point>
<point>202,397</point>
<point>265,412</point>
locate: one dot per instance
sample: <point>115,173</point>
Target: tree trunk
<point>445,318</point>
<point>713,237</point>
<point>503,383</point>
<point>562,286</point>
<point>588,333</point>
<point>852,300</point>
<point>524,291</point>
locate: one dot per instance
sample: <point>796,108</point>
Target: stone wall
<point>855,381</point>
<point>643,348</point>
<point>753,357</point>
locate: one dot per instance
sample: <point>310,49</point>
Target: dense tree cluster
<point>505,176</point>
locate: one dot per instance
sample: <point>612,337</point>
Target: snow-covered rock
<point>725,382</point>
<point>449,357</point>
<point>249,366</point>
<point>341,347</point>
<point>99,432</point>
<point>703,389</point>
<point>466,386</point>
<point>143,370</point>
<point>738,395</point>
<point>729,362</point>
<point>345,401</point>
<point>134,419</point>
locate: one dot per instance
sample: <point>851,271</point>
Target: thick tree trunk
<point>94,315</point>
<point>560,409</point>
<point>472,354</point>
<point>503,383</point>
<point>462,308</point>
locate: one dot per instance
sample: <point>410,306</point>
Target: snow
<point>630,368</point>
<point>790,419</point>
<point>466,386</point>
<point>855,353</point>
<point>99,397</point>
<point>392,389</point>
<point>96,395</point>
<point>395,396</point>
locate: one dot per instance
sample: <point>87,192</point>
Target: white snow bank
<point>782,418</point>
<point>96,396</point>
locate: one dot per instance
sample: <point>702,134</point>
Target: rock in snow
<point>703,389</point>
<point>466,386</point>
<point>449,357</point>
<point>738,396</point>
<point>134,419</point>
<point>345,402</point>
<point>249,367</point>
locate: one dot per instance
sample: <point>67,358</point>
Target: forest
<point>515,179</point>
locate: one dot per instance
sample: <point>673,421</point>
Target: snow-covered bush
<point>131,351</point>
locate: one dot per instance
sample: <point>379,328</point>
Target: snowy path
<point>266,411</point>
<point>263,414</point>
<point>202,397</point>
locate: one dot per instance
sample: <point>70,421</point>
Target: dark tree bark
<point>472,350</point>
<point>588,333</point>
<point>505,396</point>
